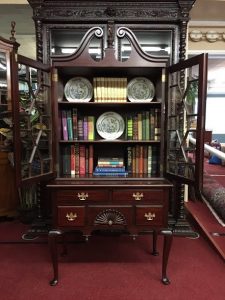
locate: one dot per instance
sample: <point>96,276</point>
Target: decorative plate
<point>110,125</point>
<point>140,89</point>
<point>78,89</point>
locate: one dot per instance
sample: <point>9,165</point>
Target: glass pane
<point>153,42</point>
<point>5,107</point>
<point>182,123</point>
<point>66,41</point>
<point>35,122</point>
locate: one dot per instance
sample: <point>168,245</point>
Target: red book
<point>91,159</point>
<point>77,159</point>
<point>82,160</point>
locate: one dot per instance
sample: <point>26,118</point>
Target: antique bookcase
<point>112,48</point>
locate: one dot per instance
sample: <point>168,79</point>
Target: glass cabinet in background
<point>8,192</point>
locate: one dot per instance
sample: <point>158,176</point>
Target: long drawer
<point>81,195</point>
<point>139,194</point>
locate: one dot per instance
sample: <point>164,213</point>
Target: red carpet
<point>109,268</point>
<point>214,169</point>
<point>208,224</point>
<point>213,190</point>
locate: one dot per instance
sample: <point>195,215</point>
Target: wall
<point>212,40</point>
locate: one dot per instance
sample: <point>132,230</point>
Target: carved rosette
<point>110,217</point>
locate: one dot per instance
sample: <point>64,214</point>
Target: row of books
<point>110,89</point>
<point>77,159</point>
<point>77,128</point>
<point>140,159</point>
<point>144,125</point>
<point>143,159</point>
<point>110,166</point>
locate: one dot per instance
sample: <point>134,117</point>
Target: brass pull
<point>149,216</point>
<point>82,196</point>
<point>71,216</point>
<point>138,196</point>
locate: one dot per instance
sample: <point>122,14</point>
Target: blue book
<point>110,174</point>
<point>110,169</point>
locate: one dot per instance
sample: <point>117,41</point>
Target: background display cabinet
<point>26,125</point>
<point>8,195</point>
<point>103,119</point>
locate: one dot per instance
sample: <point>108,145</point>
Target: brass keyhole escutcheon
<point>71,216</point>
<point>138,196</point>
<point>82,196</point>
<point>149,216</point>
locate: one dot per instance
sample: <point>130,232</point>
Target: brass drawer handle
<point>71,216</point>
<point>149,216</point>
<point>82,196</point>
<point>137,196</point>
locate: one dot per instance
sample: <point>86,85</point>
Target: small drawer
<point>82,195</point>
<point>152,195</point>
<point>110,216</point>
<point>150,215</point>
<point>71,216</point>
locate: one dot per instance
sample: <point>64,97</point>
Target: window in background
<point>215,105</point>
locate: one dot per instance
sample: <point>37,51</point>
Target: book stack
<point>76,127</point>
<point>110,89</point>
<point>110,166</point>
<point>144,125</point>
<point>142,159</point>
<point>77,159</point>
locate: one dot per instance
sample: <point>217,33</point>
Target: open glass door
<point>186,120</point>
<point>33,122</point>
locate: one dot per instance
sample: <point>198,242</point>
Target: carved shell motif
<point>110,217</point>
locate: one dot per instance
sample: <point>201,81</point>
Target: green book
<point>69,124</point>
<point>147,125</point>
<point>129,127</point>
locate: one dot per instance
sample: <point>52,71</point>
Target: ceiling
<point>20,12</point>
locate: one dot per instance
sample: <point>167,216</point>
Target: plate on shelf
<point>110,125</point>
<point>78,89</point>
<point>140,89</point>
